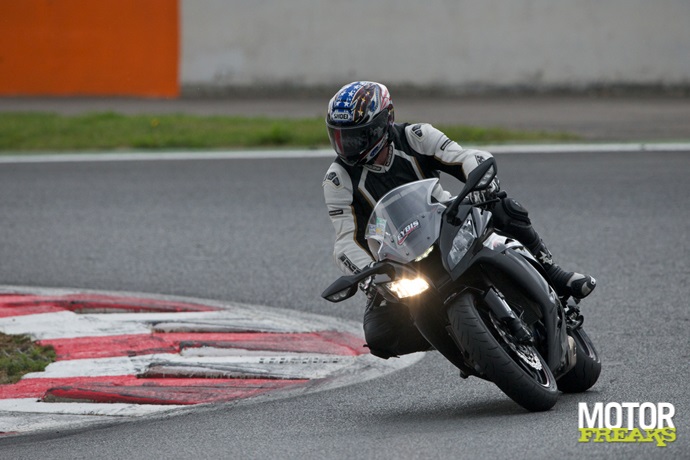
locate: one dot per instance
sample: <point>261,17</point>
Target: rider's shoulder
<point>422,136</point>
<point>336,177</point>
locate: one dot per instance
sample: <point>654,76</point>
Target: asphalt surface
<point>594,118</point>
<point>256,231</point>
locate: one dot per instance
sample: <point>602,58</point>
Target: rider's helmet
<point>359,118</point>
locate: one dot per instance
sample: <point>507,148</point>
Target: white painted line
<point>327,153</point>
<point>588,148</point>
<point>166,156</point>
<point>21,422</point>
<point>31,405</point>
<point>27,415</point>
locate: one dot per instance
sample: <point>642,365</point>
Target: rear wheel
<point>587,366</point>
<point>517,369</point>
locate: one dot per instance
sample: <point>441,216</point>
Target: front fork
<point>505,314</point>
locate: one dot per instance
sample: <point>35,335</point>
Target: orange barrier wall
<point>89,47</point>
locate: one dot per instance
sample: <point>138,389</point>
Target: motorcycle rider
<point>375,155</point>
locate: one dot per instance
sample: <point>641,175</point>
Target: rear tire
<point>587,367</point>
<point>518,370</point>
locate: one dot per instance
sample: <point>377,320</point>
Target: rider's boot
<point>571,284</point>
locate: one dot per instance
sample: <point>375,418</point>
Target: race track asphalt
<point>256,231</point>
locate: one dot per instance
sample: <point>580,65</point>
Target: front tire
<point>518,370</point>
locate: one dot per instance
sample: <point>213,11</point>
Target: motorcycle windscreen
<point>405,222</point>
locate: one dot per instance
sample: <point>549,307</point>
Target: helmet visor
<point>352,143</point>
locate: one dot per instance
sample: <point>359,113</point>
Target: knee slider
<point>379,353</point>
<point>381,346</point>
<point>515,211</point>
<point>379,332</point>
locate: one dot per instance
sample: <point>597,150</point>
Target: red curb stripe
<point>7,311</point>
<point>168,391</point>
<point>20,304</point>
<point>326,342</point>
<point>351,341</point>
<point>130,389</point>
<point>36,388</point>
<point>110,346</point>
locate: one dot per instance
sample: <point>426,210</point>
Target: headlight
<point>462,242</point>
<point>408,288</point>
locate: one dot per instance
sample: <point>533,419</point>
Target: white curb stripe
<point>31,405</point>
<point>24,422</point>
<point>29,415</point>
<point>66,324</point>
<point>303,365</point>
<point>98,367</point>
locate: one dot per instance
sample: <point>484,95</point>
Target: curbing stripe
<point>121,357</point>
<point>31,406</point>
<point>167,391</point>
<point>185,343</point>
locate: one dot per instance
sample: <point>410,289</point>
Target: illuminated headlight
<point>462,242</point>
<point>408,288</point>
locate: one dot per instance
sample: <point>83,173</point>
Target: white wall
<point>457,44</point>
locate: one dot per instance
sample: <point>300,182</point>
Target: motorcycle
<point>479,297</point>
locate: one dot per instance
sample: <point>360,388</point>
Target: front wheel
<point>518,370</point>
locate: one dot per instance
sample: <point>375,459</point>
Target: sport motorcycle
<point>478,296</point>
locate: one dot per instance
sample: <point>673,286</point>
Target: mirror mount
<point>346,286</point>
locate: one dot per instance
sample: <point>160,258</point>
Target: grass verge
<point>108,131</point>
<point>19,356</point>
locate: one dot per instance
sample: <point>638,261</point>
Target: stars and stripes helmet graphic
<point>358,120</point>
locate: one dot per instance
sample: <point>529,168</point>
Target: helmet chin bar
<point>384,154</point>
<point>380,148</point>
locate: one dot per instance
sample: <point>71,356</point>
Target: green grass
<point>109,131</point>
<point>19,356</point>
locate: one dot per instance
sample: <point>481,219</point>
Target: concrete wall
<point>465,45</point>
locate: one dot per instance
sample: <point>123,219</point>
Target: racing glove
<point>487,194</point>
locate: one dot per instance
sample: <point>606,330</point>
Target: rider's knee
<point>511,212</point>
<point>380,335</point>
<point>389,331</point>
